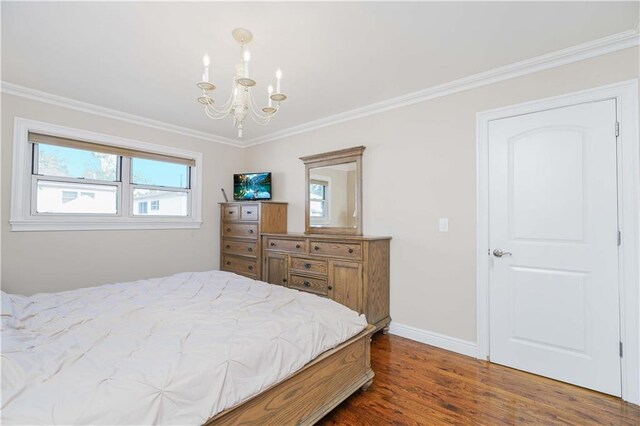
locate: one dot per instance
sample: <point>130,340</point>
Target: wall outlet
<point>443,224</point>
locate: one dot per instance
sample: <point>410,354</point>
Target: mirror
<point>334,188</point>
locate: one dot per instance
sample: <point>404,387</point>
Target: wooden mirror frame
<point>349,155</point>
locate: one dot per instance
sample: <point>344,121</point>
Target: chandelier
<point>241,102</point>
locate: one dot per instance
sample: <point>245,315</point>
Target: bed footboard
<point>310,393</point>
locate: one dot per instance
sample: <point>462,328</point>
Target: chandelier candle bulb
<point>206,61</point>
<point>270,91</point>
<point>247,58</point>
<point>278,80</point>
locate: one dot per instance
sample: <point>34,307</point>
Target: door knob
<point>500,253</point>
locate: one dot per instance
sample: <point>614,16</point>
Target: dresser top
<point>328,237</point>
<point>252,202</point>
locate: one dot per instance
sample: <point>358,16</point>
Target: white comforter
<point>173,350</point>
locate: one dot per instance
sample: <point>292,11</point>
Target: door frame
<point>628,154</point>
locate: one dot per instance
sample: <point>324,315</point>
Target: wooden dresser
<point>352,270</point>
<point>241,224</point>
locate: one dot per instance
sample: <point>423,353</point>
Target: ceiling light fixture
<point>241,101</point>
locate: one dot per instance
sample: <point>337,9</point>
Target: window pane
<point>159,173</point>
<point>317,208</point>
<point>316,191</point>
<point>64,197</point>
<point>76,163</point>
<point>159,203</point>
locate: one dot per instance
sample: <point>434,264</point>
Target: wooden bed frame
<point>311,392</point>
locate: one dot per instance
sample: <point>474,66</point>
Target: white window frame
<point>24,217</point>
<point>326,219</point>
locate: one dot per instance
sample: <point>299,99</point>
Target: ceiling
<point>145,58</point>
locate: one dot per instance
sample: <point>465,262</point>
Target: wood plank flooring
<point>417,384</point>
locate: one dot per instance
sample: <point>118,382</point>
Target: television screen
<point>252,186</point>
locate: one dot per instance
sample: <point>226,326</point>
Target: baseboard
<point>434,339</point>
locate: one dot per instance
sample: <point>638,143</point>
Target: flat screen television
<point>252,186</point>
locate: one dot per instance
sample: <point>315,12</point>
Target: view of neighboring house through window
<point>68,196</point>
<point>74,181</point>
<point>155,181</point>
<point>318,199</point>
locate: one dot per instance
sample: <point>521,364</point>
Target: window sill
<point>49,225</point>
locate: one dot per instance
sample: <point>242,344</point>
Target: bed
<point>194,348</point>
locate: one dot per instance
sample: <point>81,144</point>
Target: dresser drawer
<point>311,285</point>
<point>249,248</point>
<point>290,246</point>
<point>343,250</point>
<point>249,212</point>
<point>231,213</point>
<point>244,230</point>
<point>240,265</point>
<point>311,266</point>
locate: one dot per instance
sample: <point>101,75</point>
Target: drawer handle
<point>330,287</point>
<point>297,245</point>
<point>250,250</point>
<point>272,244</point>
<point>228,229</point>
<point>251,231</point>
<point>307,265</point>
<point>307,284</point>
<point>249,212</point>
<point>230,212</point>
<point>350,250</point>
<point>228,263</point>
<point>250,268</point>
<point>227,246</point>
<point>316,248</point>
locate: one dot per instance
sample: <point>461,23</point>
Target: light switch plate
<point>443,224</point>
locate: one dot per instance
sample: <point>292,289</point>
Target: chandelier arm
<point>265,119</point>
<point>258,122</point>
<point>259,119</point>
<point>255,109</point>
<point>215,116</point>
<point>214,110</point>
<point>224,108</point>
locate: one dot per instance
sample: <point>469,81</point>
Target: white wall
<point>420,165</point>
<point>54,261</point>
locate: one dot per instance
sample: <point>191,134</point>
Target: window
<point>62,172</point>
<point>81,180</point>
<point>318,199</point>
<point>152,179</point>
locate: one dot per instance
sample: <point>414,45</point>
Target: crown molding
<point>49,98</point>
<point>591,49</point>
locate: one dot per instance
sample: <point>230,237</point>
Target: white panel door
<point>554,307</point>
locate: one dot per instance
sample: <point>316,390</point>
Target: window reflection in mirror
<point>332,196</point>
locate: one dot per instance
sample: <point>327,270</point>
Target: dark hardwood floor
<point>416,384</point>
